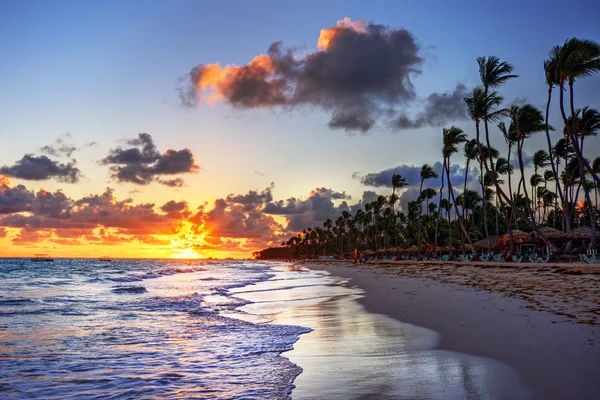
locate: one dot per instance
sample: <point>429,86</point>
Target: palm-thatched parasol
<point>581,233</point>
<point>483,243</point>
<point>519,237</point>
<point>368,252</point>
<point>549,233</point>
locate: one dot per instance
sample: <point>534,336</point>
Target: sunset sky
<point>186,128</point>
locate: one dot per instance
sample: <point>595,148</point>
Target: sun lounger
<point>533,257</point>
<point>517,259</point>
<point>445,257</point>
<point>583,257</point>
<point>593,258</point>
<point>544,259</point>
<point>498,257</point>
<point>484,257</point>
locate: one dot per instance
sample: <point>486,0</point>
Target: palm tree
<point>481,108</point>
<point>552,79</point>
<point>541,159</point>
<point>527,120</point>
<point>575,59</point>
<point>596,167</point>
<point>453,137</point>
<point>427,172</point>
<point>493,73</point>
<point>398,182</point>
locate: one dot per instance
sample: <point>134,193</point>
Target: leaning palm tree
<point>452,138</point>
<point>575,59</point>
<point>427,172</point>
<point>596,167</point>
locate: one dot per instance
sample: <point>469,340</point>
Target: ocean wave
<point>129,289</point>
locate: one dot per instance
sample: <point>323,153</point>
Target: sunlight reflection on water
<point>353,354</point>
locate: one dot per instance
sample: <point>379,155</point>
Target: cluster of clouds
<point>236,222</point>
<point>360,73</point>
<point>140,163</point>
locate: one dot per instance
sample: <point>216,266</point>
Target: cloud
<point>309,212</point>
<point>360,71</point>
<point>42,168</point>
<point>143,163</point>
<point>252,199</point>
<point>412,175</point>
<point>440,108</point>
<point>14,199</point>
<point>3,232</point>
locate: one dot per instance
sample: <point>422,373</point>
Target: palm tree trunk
<point>522,168</point>
<point>460,221</point>
<point>437,219</point>
<point>419,226</point>
<point>464,199</point>
<point>550,147</point>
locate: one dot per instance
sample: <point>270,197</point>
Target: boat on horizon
<point>42,258</point>
<point>104,258</point>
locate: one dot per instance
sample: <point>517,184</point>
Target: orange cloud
<point>329,34</point>
<point>218,82</point>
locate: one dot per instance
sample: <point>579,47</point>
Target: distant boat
<point>104,258</point>
<point>42,258</point>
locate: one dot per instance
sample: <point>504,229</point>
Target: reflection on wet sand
<point>353,354</point>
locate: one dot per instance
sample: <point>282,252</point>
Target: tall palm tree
<point>552,79</point>
<point>596,167</point>
<point>398,182</point>
<point>427,172</point>
<point>481,107</point>
<point>575,59</point>
<point>453,137</point>
<point>528,120</point>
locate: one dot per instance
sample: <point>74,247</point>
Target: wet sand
<point>537,319</point>
<point>354,354</point>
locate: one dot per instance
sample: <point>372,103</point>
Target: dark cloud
<point>439,110</point>
<point>412,175</point>
<point>259,173</point>
<point>177,182</point>
<point>3,232</point>
<point>360,70</point>
<point>309,212</point>
<point>59,151</point>
<point>252,199</point>
<point>14,199</point>
<point>41,168</point>
<point>143,163</point>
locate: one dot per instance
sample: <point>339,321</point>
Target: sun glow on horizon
<point>187,242</point>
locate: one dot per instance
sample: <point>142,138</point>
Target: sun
<point>186,254</point>
<point>187,242</point>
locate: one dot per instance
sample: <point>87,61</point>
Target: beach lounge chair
<point>424,258</point>
<point>593,258</point>
<point>533,257</point>
<point>414,258</point>
<point>484,257</point>
<point>583,257</point>
<point>498,257</point>
<point>544,259</point>
<point>445,257</point>
<point>517,259</point>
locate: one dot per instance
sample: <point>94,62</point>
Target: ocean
<point>161,329</point>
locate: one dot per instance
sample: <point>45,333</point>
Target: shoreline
<point>555,356</point>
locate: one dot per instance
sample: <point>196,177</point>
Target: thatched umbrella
<point>549,233</point>
<point>483,243</point>
<point>582,233</point>
<point>368,252</point>
<point>519,237</point>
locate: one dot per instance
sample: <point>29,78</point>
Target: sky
<point>194,128</point>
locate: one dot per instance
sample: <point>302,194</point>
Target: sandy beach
<point>541,320</point>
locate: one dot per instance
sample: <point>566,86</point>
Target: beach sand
<point>541,320</point>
